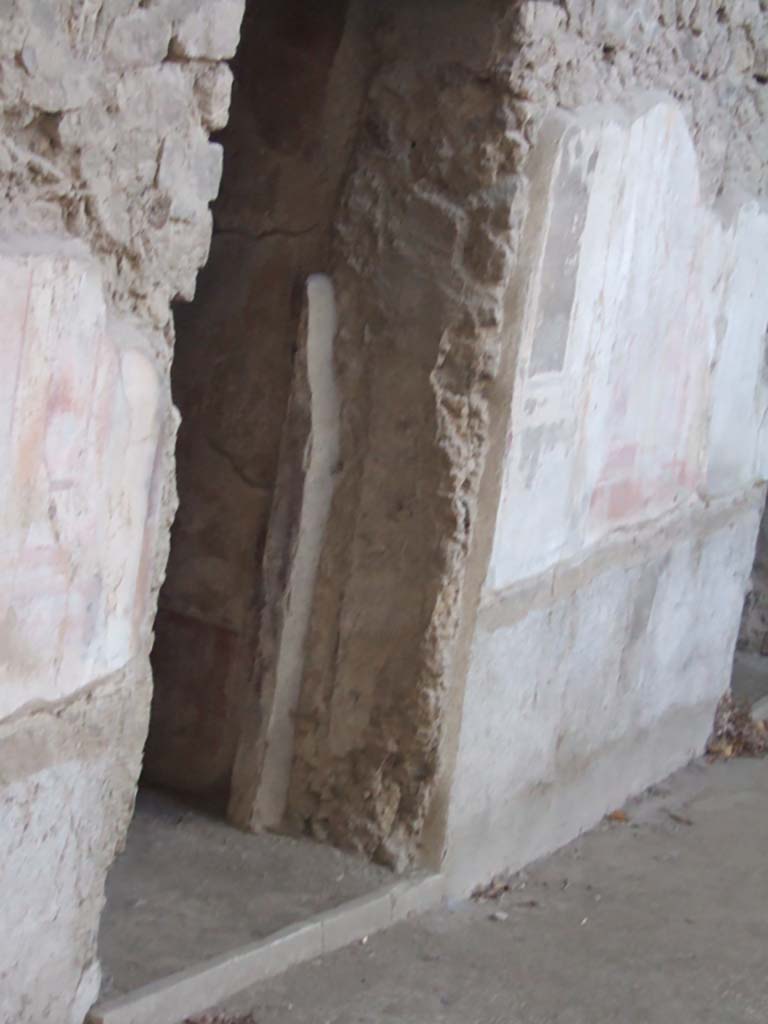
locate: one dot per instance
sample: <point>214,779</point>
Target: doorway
<point>189,885</point>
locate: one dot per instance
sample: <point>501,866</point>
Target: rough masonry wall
<point>420,259</point>
<point>106,173</point>
<point>428,239</point>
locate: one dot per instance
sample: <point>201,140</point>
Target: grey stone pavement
<point>658,919</point>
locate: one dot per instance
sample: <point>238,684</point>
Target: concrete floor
<point>189,887</point>
<point>660,919</point>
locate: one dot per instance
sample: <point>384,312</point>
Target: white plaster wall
<point>67,779</point>
<point>576,705</point>
<point>108,111</point>
<point>629,507</point>
<point>81,420</point>
<point>738,445</point>
<point>612,428</point>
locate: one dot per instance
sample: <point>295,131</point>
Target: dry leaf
<point>735,733</point>
<point>495,888</point>
<point>620,816</point>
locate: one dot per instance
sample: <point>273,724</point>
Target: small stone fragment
<point>212,31</point>
<point>138,39</point>
<point>28,58</point>
<point>213,90</point>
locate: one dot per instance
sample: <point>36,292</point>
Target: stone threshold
<point>171,1000</point>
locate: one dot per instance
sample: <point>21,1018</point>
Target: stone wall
<point>628,470</point>
<point>419,264</point>
<point>432,275</point>
<point>631,489</point>
<point>525,602</point>
<point>107,173</point>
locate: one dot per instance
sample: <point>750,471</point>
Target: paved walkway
<point>660,919</point>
